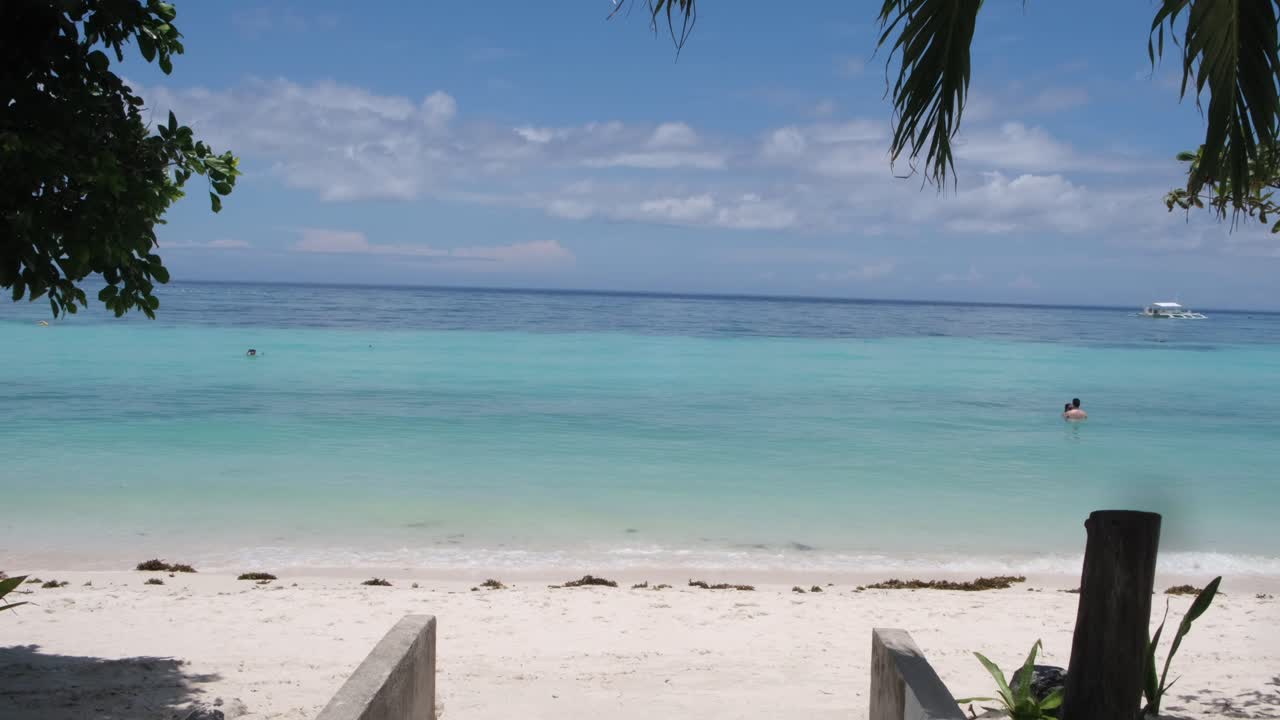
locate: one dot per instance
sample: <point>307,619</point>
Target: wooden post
<point>1104,680</point>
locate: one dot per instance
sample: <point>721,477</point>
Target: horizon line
<point>690,295</point>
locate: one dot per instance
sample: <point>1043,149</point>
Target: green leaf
<point>8,585</point>
<point>932,46</point>
<point>215,202</point>
<point>962,701</point>
<point>1230,49</point>
<point>1052,700</point>
<point>160,274</point>
<point>147,47</point>
<point>1022,678</point>
<point>166,64</point>
<point>173,122</point>
<point>1005,693</point>
<point>1150,682</point>
<point>98,61</point>
<point>1198,607</point>
<point>153,302</point>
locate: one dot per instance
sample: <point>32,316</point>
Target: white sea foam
<point>756,560</point>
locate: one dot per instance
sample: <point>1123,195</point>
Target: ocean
<point>460,429</point>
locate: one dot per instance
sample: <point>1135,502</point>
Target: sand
<point>122,649</point>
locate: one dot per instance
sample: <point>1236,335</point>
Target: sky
<point>544,145</point>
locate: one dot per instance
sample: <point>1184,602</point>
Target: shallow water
<point>467,428</point>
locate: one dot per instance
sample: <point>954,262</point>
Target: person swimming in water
<point>1072,411</point>
<point>251,353</point>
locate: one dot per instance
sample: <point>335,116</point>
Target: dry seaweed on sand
<point>377,582</point>
<point>591,580</point>
<point>1183,590</point>
<point>720,586</point>
<point>256,576</point>
<point>158,565</point>
<point>640,586</point>
<point>154,581</point>
<point>55,584</point>
<point>492,584</point>
<point>797,589</point>
<point>815,588</point>
<point>999,582</point>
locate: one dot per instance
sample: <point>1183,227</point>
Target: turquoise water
<point>454,429</point>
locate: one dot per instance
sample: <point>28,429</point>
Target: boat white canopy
<point>1167,305</point>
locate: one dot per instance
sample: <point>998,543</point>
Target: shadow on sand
<point>1260,704</point>
<point>41,686</point>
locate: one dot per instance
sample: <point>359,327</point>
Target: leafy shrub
<point>1018,702</point>
<point>256,576</point>
<point>1154,688</point>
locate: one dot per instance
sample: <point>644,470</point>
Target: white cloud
<point>534,255</point>
<point>1023,282</point>
<point>850,67</point>
<point>348,144</point>
<point>972,277</point>
<point>1058,99</point>
<point>347,242</point>
<point>221,244</point>
<point>861,273</point>
<point>681,210</point>
<point>659,160</point>
<point>673,134</point>
<point>438,110</point>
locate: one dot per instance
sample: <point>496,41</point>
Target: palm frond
<point>932,44</point>
<point>1229,48</point>
<point>678,12</point>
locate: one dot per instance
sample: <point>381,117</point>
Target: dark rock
<point>1045,680</point>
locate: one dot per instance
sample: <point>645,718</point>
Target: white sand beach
<point>121,649</point>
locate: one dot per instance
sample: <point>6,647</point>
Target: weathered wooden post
<point>1104,680</point>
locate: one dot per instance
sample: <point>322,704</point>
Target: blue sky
<point>542,145</point>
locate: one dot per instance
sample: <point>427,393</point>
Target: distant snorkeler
<point>251,353</point>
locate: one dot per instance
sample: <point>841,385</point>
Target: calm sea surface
<point>489,429</point>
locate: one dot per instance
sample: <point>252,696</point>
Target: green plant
<point>8,585</point>
<point>1154,688</point>
<point>1018,701</point>
<point>85,177</point>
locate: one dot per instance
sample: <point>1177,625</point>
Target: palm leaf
<point>1150,683</point>
<point>1022,678</point>
<point>932,46</point>
<point>11,605</point>
<point>1198,607</point>
<point>8,585</point>
<point>1005,693</point>
<point>683,12</point>
<point>1229,47</point>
